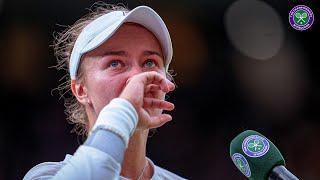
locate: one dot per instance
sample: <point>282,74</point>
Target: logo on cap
<point>242,164</point>
<point>255,146</point>
<point>301,17</point>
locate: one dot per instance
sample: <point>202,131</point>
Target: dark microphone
<point>258,158</point>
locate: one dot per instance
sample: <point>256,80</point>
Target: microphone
<point>258,158</point>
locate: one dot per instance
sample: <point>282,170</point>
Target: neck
<point>135,157</point>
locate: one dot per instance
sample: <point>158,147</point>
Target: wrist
<point>119,117</point>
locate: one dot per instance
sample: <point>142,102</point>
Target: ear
<point>80,92</point>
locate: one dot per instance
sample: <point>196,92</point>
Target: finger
<point>153,91</point>
<point>171,86</point>
<point>157,103</point>
<point>158,79</point>
<point>152,87</point>
<point>128,80</point>
<point>152,94</point>
<point>158,121</point>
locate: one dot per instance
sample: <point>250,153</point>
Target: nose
<point>134,70</point>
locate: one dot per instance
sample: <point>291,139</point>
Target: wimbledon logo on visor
<point>255,146</point>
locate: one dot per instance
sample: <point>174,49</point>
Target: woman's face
<point>130,51</point>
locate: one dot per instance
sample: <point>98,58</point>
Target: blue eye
<point>115,64</point>
<point>150,63</point>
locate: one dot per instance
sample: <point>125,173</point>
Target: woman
<point>118,62</point>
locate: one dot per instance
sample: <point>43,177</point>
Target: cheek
<point>102,90</point>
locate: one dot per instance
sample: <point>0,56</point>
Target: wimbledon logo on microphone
<point>242,164</point>
<point>255,146</point>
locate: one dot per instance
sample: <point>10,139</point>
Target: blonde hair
<point>63,45</point>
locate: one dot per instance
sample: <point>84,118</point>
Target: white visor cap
<point>102,28</point>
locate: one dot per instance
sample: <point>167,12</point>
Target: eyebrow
<point>117,53</point>
<point>123,53</point>
<point>148,53</point>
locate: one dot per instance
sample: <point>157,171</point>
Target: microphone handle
<point>281,173</point>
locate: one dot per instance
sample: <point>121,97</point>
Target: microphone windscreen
<point>254,155</point>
